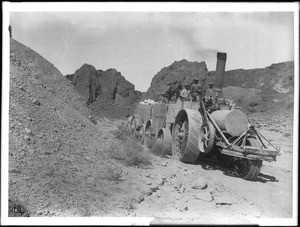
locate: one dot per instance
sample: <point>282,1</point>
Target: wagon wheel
<point>180,137</point>
<point>141,133</point>
<point>246,168</point>
<point>206,138</point>
<point>136,130</point>
<point>135,124</point>
<point>147,135</point>
<point>163,141</point>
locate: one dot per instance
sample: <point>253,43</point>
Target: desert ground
<point>61,164</point>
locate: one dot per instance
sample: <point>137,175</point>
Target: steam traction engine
<point>191,131</point>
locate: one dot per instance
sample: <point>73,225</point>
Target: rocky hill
<point>253,89</point>
<point>116,88</point>
<point>182,71</point>
<point>261,89</point>
<point>107,93</point>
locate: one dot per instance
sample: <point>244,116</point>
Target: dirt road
<point>225,199</point>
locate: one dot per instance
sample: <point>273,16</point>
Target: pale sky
<point>140,44</point>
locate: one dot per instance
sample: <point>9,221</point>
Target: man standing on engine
<point>210,98</point>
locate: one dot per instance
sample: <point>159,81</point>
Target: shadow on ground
<point>211,163</point>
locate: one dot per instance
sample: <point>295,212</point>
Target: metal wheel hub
<point>205,137</point>
<point>181,137</point>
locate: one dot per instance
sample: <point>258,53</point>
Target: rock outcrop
<point>86,82</point>
<point>182,71</point>
<point>109,86</point>
<point>116,88</point>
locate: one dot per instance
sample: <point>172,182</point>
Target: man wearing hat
<point>163,98</point>
<point>194,89</point>
<point>185,93</point>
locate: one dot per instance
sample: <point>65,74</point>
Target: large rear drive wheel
<point>185,135</point>
<point>148,138</point>
<point>246,168</point>
<point>141,133</point>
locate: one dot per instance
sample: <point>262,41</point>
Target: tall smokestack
<point>220,71</point>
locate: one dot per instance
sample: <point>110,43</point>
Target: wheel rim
<point>242,166</point>
<point>163,141</point>
<point>141,133</point>
<point>246,168</point>
<point>206,138</point>
<point>159,144</point>
<point>181,137</point>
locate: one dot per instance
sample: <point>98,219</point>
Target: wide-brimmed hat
<point>195,79</point>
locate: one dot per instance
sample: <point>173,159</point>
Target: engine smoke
<point>194,44</point>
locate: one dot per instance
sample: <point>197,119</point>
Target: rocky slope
<point>57,160</point>
<point>261,89</point>
<point>276,77</point>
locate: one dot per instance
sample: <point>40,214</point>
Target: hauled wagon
<point>193,130</point>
